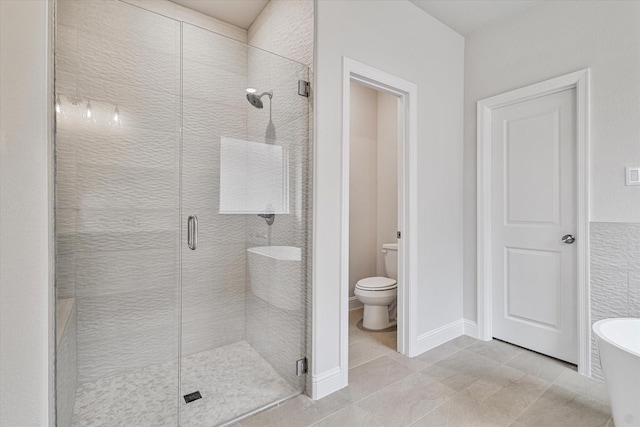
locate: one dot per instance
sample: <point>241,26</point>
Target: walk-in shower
<point>152,129</point>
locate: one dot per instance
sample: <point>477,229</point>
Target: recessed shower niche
<point>165,172</point>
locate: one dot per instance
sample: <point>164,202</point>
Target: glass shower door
<point>245,159</point>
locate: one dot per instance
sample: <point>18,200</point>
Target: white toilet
<point>378,294</point>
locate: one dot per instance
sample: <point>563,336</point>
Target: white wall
<point>546,41</point>
<point>26,341</point>
<point>396,37</point>
<point>363,193</point>
<point>387,175</point>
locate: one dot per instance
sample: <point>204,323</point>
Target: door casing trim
<point>580,81</point>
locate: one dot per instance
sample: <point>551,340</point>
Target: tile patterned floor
<point>233,380</point>
<point>464,382</point>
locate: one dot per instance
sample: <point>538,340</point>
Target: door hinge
<point>399,234</point>
<point>301,366</point>
<point>303,88</point>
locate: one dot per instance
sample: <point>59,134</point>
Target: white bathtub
<point>275,275</point>
<point>619,345</point>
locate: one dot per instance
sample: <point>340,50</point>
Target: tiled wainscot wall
<point>615,276</point>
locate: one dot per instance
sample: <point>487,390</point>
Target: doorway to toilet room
<point>373,223</point>
<point>378,278</point>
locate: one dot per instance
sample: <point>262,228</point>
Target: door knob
<point>568,239</point>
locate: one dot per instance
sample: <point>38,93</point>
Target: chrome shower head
<point>255,99</point>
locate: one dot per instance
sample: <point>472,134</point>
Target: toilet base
<point>376,317</point>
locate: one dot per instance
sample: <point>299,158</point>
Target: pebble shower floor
<point>232,380</point>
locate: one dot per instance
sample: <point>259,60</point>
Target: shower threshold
<point>258,410</point>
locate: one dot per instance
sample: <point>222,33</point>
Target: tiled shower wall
<point>285,28</point>
<point>615,276</point>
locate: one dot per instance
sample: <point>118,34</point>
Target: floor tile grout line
<point>439,360</point>
<point>387,385</point>
<point>412,358</point>
<point>417,357</point>
<point>366,361</point>
<point>327,416</point>
<point>534,401</point>
<point>516,355</point>
<point>377,357</point>
<point>503,363</point>
<point>580,394</point>
<point>440,405</point>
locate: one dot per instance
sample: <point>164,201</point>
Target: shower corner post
<point>53,297</point>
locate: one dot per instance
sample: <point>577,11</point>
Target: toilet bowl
<point>378,294</point>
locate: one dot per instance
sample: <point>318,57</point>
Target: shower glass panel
<point>243,287</point>
<point>117,83</point>
<point>181,221</point>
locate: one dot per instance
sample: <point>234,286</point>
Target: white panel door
<point>534,206</point>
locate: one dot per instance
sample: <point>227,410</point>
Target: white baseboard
<point>354,303</point>
<point>470,328</point>
<point>439,336</point>
<point>326,383</point>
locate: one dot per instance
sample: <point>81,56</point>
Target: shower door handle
<point>192,232</point>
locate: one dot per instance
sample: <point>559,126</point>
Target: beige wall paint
<point>373,193</point>
<point>363,197</point>
<point>387,175</point>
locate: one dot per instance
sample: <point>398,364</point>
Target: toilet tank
<point>390,251</point>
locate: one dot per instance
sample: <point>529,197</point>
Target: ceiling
<point>463,16</point>
<point>237,12</point>
<point>467,16</point>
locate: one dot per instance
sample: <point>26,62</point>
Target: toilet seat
<point>376,284</point>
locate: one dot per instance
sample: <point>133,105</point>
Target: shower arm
<point>268,217</point>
